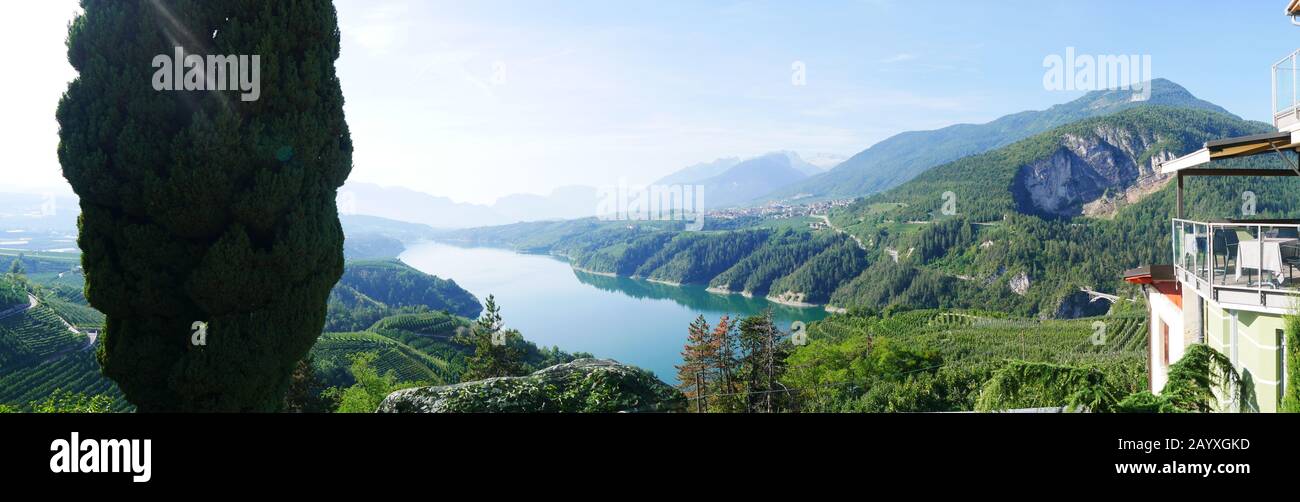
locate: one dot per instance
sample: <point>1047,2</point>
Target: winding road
<point>839,230</point>
<point>32,303</point>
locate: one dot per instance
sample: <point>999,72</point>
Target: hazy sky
<point>478,99</point>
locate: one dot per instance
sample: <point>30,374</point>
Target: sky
<point>474,100</point>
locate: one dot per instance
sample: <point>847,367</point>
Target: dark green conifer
<point>201,206</point>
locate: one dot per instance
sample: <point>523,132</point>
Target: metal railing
<point>1286,92</point>
<point>1261,255</point>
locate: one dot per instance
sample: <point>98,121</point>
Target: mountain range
<point>732,181</point>
<point>780,175</point>
<point>404,204</point>
<point>902,157</point>
<point>727,181</point>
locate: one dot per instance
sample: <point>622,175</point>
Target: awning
<point>1231,148</point>
<point>1150,274</point>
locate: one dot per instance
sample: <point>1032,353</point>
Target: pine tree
<point>201,206</point>
<point>17,267</point>
<point>762,362</point>
<point>751,341</point>
<point>723,340</point>
<point>497,351</point>
<point>698,356</point>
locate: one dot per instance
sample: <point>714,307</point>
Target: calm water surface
<point>632,321</point>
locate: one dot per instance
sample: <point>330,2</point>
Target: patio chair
<point>1224,243</point>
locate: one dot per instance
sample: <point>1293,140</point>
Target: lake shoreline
<point>714,290</point>
<point>553,303</point>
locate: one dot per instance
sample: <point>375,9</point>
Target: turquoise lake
<point>629,320</point>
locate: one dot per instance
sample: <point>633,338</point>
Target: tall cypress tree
<point>201,206</point>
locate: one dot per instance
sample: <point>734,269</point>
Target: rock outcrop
<point>1020,284</point>
<point>581,386</point>
<point>1078,304</point>
<point>1087,173</point>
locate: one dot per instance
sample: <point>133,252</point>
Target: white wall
<point>1164,312</point>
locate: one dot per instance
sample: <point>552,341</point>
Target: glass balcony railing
<point>1286,93</point>
<point>1259,255</point>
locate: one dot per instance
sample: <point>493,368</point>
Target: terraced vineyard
<point>946,355</point>
<point>429,323</point>
<point>80,316</point>
<point>972,336</point>
<point>40,354</point>
<point>406,363</point>
<point>35,335</point>
<point>430,333</point>
<point>77,372</point>
<point>1073,342</point>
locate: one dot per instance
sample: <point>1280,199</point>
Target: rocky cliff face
<point>582,386</point>
<point>1089,173</point>
<point>1078,305</point>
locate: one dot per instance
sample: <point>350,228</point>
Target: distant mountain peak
<point>698,173</point>
<point>903,156</point>
<point>1163,92</point>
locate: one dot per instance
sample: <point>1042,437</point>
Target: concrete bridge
<point>1097,295</point>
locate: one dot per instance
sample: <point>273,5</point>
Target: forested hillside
<point>371,246</point>
<point>391,284</point>
<point>1001,252</point>
<point>1032,223</point>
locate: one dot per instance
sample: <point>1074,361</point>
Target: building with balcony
<point>1232,281</point>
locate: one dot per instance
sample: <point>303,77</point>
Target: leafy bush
<point>370,389</point>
